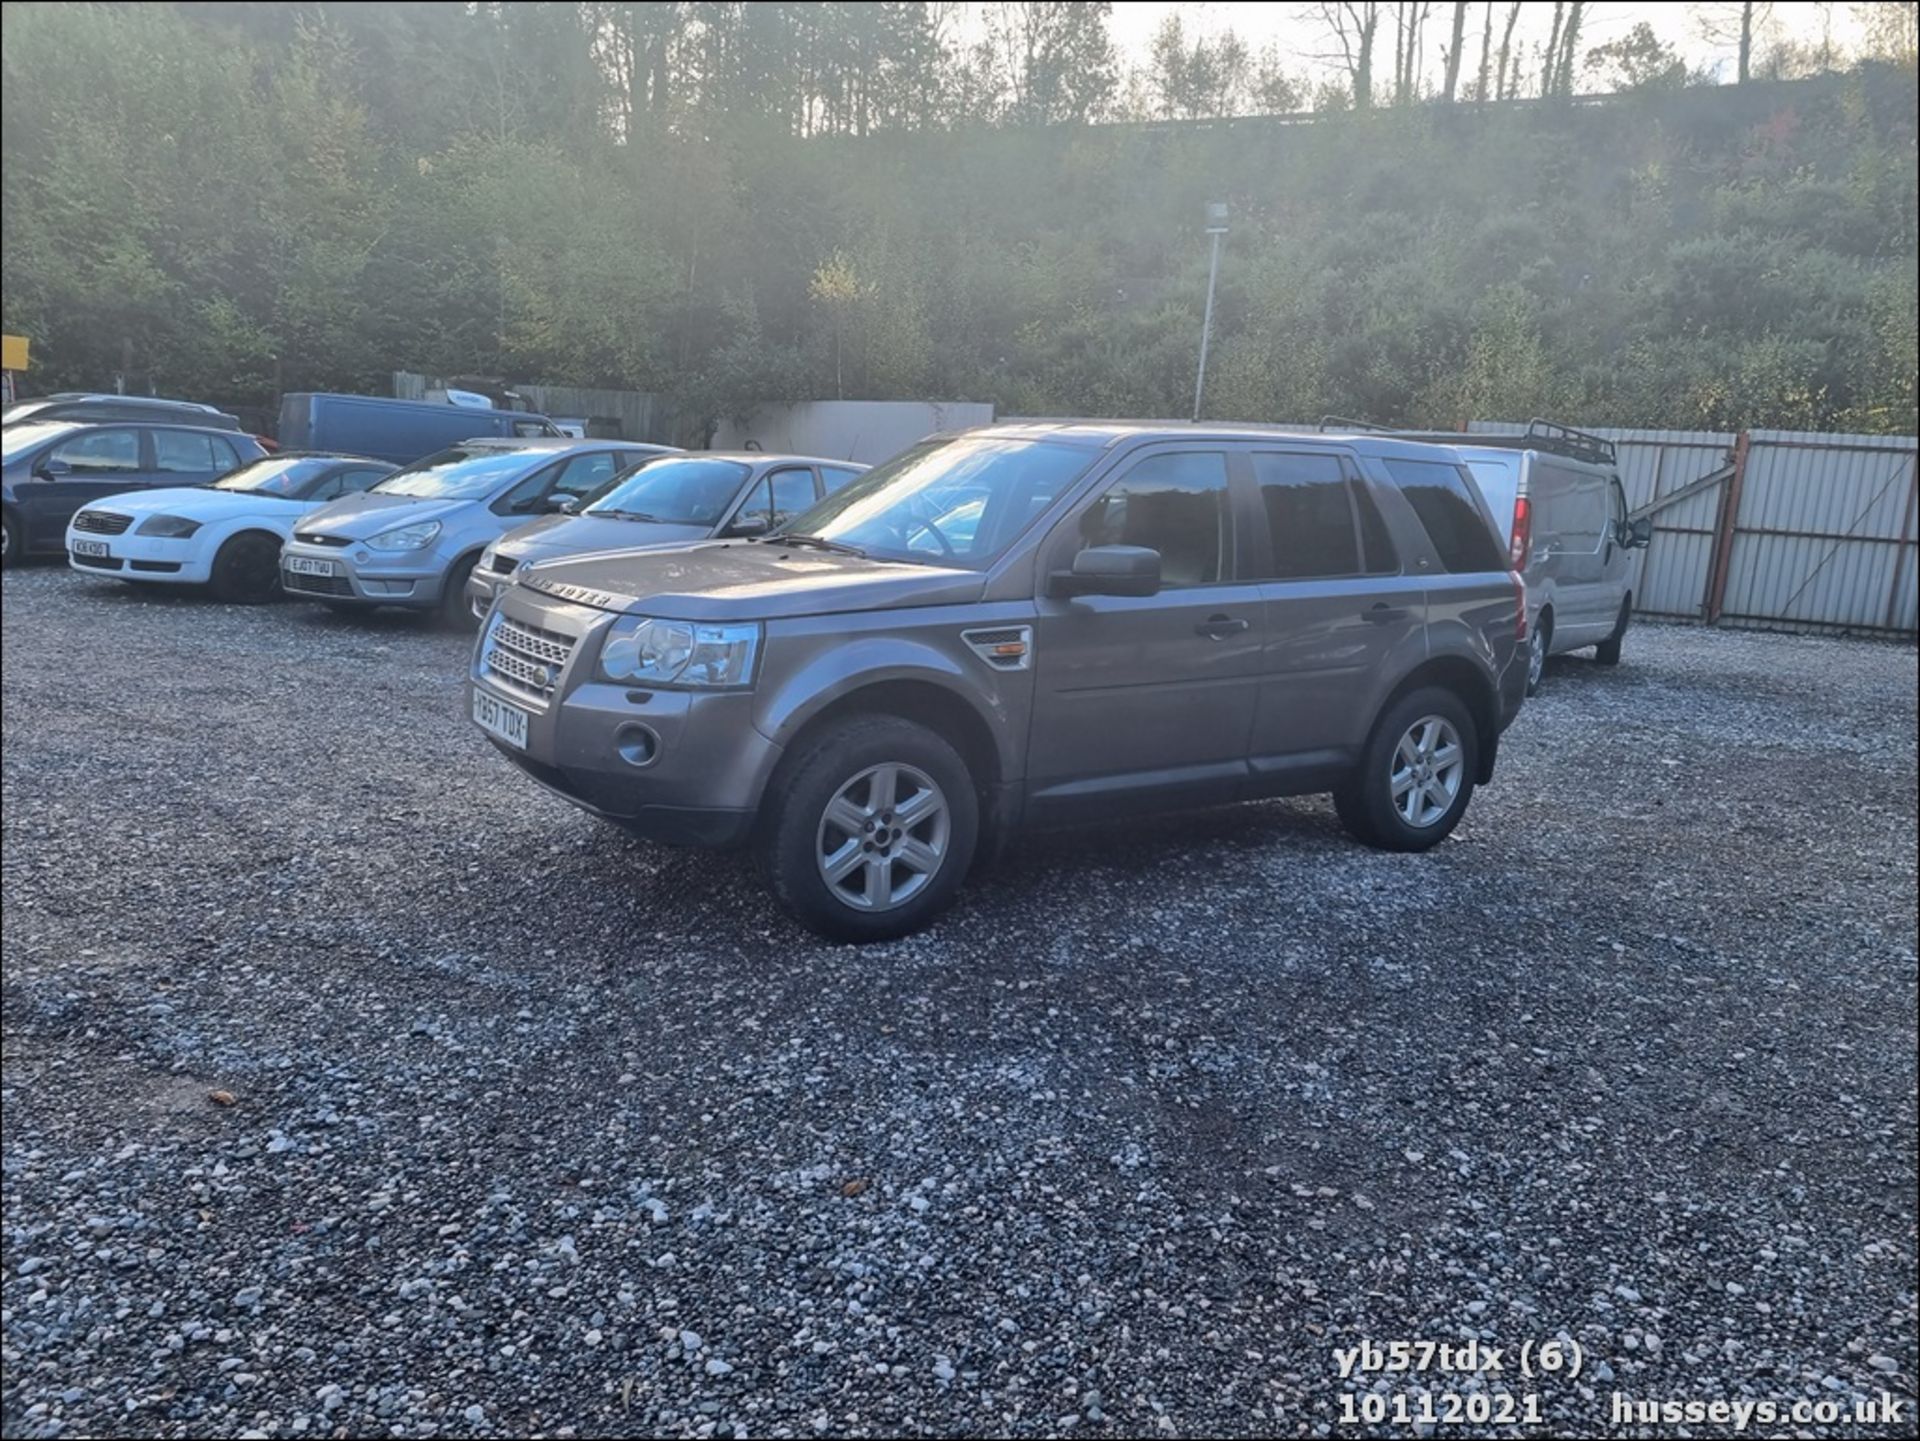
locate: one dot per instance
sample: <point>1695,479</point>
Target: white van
<point>1557,494</point>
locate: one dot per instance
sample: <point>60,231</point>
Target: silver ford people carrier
<point>1025,625</point>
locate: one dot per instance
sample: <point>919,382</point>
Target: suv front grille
<point>101,522</point>
<point>525,658</point>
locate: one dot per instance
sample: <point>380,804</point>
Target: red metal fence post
<point>1724,531</point>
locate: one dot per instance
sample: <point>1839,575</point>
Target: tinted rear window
<point>1442,496</point>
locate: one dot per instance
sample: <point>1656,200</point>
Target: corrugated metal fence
<point>1790,530</point>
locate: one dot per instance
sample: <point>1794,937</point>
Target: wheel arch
<point>1474,687</point>
<point>942,709</point>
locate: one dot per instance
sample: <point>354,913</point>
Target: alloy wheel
<point>1428,767</point>
<point>883,837</point>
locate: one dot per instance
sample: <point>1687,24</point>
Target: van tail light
<point>1519,605</point>
<point>1522,533</point>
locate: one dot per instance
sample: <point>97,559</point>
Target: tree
<point>1276,91</point>
<point>1058,60</point>
<point>1210,77</point>
<point>837,287</point>
<point>1453,50</point>
<point>1353,23</point>
<point>1508,82</point>
<point>1734,24</point>
<point>1410,19</point>
<point>1638,60</point>
<point>1892,30</point>
<point>1486,54</point>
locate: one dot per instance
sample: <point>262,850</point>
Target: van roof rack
<point>1574,444</point>
<point>1543,435</point>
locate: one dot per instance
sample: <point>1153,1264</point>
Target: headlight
<point>168,527</point>
<point>407,537</point>
<point>679,652</point>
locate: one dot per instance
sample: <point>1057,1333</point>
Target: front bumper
<point>482,586</point>
<point>681,766</point>
<point>141,557</point>
<point>362,576</point>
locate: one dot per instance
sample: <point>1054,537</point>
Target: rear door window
<point>183,452</point>
<point>836,476</point>
<point>100,452</point>
<point>1442,496</point>
<point>1309,510</point>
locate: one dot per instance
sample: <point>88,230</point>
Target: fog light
<point>637,745</point>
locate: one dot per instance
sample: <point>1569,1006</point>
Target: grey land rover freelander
<point>1025,625</point>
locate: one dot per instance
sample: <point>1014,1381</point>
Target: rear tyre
<point>1415,775</point>
<point>1538,639</point>
<point>873,830</point>
<point>455,613</point>
<point>10,542</point>
<point>1608,651</point>
<point>246,571</point>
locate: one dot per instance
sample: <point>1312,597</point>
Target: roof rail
<point>1574,444</point>
<point>1342,423</point>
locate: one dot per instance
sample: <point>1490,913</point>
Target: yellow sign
<point>13,352</point>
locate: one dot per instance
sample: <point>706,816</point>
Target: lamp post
<point>1216,227</point>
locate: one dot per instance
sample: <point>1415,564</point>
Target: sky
<point>1279,22</point>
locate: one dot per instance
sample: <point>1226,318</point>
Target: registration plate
<point>301,565</point>
<point>496,717</point>
<point>91,547</point>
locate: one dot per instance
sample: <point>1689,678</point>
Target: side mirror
<point>53,469</point>
<point>750,525</point>
<point>1109,570</point>
<point>563,504</point>
<point>1640,533</point>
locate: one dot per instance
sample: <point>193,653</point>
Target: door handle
<point>1384,614</point>
<point>1219,627</point>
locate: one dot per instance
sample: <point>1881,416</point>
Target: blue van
<point>401,431</point>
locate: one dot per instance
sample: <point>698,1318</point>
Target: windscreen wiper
<point>836,546</point>
<point>628,515</point>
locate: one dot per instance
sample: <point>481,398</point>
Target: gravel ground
<point>355,1086</point>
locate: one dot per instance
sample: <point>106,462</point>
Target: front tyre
<point>1415,775</point>
<point>455,612</point>
<point>873,830</point>
<point>246,569</point>
<point>10,542</point>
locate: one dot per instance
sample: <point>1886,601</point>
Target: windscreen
<point>947,502</point>
<point>285,476</point>
<point>458,473</point>
<point>675,490</point>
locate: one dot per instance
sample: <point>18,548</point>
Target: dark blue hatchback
<point>52,468</point>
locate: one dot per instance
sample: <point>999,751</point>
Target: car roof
<point>110,397</point>
<point>71,422</point>
<point>557,443</point>
<point>764,457</point>
<point>342,456</point>
<point>1105,434</point>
